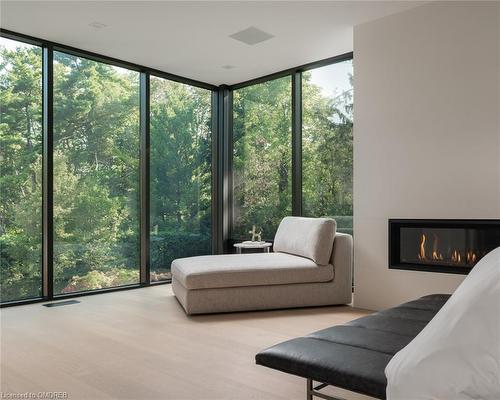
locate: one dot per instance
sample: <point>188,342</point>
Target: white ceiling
<point>191,39</point>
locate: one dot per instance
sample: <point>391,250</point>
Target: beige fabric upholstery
<point>343,261</point>
<point>251,298</point>
<point>263,297</point>
<point>306,237</point>
<point>233,270</point>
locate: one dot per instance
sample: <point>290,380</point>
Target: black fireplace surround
<point>441,245</point>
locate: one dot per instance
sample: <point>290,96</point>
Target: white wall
<point>426,136</point>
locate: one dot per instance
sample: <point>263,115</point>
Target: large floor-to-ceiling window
<point>321,144</point>
<point>327,158</point>
<point>92,149</point>
<point>107,171</point>
<point>96,175</point>
<point>180,174</point>
<point>262,157</point>
<point>21,170</point>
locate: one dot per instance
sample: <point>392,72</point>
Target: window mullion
<point>144,176</point>
<point>297,143</point>
<point>47,174</point>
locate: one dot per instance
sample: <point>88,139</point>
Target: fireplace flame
<point>471,257</point>
<point>435,254</point>
<point>422,256</point>
<point>455,256</point>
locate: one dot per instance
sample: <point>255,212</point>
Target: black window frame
<point>222,153</point>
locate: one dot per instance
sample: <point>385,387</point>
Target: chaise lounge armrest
<point>342,261</point>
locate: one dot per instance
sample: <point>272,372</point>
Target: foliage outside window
<point>96,175</point>
<point>180,174</point>
<point>21,170</point>
<point>327,143</point>
<point>262,178</point>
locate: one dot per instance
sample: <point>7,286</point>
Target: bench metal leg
<point>312,391</point>
<point>309,390</point>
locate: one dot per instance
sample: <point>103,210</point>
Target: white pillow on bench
<point>457,355</point>
<point>306,237</point>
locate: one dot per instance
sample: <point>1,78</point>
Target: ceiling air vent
<point>251,36</point>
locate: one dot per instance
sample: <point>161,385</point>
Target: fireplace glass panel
<point>446,246</point>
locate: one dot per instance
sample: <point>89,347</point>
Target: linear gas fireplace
<point>441,245</point>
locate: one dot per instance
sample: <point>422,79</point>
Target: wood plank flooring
<point>139,344</point>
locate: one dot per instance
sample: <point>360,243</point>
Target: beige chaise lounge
<point>311,266</point>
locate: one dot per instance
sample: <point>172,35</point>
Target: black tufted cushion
<point>354,356</point>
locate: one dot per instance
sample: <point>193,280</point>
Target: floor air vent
<point>62,303</point>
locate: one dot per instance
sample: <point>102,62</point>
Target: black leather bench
<point>353,356</point>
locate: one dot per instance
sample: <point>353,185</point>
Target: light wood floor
<point>139,344</point>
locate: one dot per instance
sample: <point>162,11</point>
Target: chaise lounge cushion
<point>306,237</point>
<point>235,270</point>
